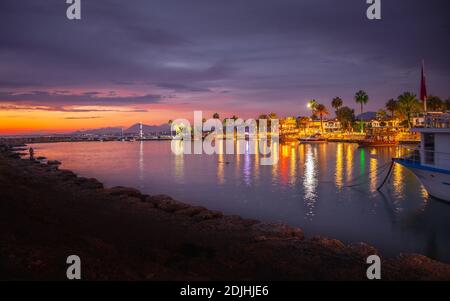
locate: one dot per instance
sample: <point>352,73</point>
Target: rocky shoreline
<point>47,214</point>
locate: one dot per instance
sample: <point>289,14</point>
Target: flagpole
<point>423,88</point>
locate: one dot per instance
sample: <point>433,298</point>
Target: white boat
<point>165,137</point>
<point>316,138</point>
<point>431,161</point>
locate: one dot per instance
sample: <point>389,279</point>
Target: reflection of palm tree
<point>321,111</point>
<point>362,98</point>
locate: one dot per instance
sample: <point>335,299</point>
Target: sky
<point>155,60</point>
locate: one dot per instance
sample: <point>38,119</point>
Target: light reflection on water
<point>339,172</point>
<point>307,188</point>
<point>310,183</point>
<point>373,170</point>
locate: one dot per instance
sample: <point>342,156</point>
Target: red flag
<point>423,88</point>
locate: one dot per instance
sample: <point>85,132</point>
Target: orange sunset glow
<point>89,110</point>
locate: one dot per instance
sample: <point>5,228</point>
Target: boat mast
<point>423,88</point>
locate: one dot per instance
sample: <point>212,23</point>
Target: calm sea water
<point>309,188</point>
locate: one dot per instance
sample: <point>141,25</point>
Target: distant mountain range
<point>367,116</point>
<point>101,131</point>
<point>134,129</point>
<point>148,129</point>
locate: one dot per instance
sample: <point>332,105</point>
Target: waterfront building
<point>289,127</point>
<point>392,123</point>
<point>331,126</point>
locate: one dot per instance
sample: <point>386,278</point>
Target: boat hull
<point>313,141</point>
<point>376,144</point>
<point>436,181</point>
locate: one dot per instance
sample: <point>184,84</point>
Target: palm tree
<point>261,117</point>
<point>170,124</point>
<point>408,105</point>
<point>273,116</point>
<point>321,111</point>
<point>346,117</point>
<point>337,103</point>
<point>434,103</point>
<point>381,115</point>
<point>216,116</point>
<point>312,104</point>
<point>362,98</point>
<point>392,106</point>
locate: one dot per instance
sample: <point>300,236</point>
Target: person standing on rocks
<point>31,150</point>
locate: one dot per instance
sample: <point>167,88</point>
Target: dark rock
<point>194,250</point>
<point>14,155</point>
<point>171,205</point>
<point>89,183</point>
<point>145,197</point>
<point>53,162</point>
<point>207,214</point>
<point>327,242</point>
<point>362,249</point>
<point>119,190</point>
<point>66,175</point>
<point>237,220</point>
<point>270,230</point>
<point>132,199</point>
<point>191,211</point>
<point>166,203</point>
<point>160,197</point>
